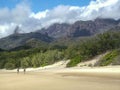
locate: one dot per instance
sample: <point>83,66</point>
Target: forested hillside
<point>94,46</point>
<point>83,50</point>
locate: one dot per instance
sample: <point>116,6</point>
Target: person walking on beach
<point>17,70</point>
<point>24,70</point>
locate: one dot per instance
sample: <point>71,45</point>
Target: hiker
<point>17,70</point>
<point>24,70</point>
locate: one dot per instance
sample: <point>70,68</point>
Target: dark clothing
<point>18,71</point>
<point>24,70</point>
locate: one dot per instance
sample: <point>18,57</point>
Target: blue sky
<point>41,5</point>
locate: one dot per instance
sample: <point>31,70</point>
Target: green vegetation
<point>29,58</point>
<point>42,59</point>
<point>109,58</point>
<point>94,46</point>
<point>77,51</point>
<point>74,61</point>
<point>9,66</point>
<point>116,60</point>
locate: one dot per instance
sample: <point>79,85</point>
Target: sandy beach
<point>105,78</point>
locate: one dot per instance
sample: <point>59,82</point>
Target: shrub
<point>116,61</point>
<point>9,66</point>
<point>74,61</point>
<point>90,65</point>
<point>108,58</point>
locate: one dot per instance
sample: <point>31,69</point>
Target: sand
<point>105,78</point>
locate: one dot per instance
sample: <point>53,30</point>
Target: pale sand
<point>106,78</point>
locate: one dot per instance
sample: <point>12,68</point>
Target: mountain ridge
<point>80,28</point>
<point>59,32</point>
<point>16,40</point>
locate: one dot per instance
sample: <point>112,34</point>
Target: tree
<point>9,66</point>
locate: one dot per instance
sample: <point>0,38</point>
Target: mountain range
<point>16,40</point>
<point>57,31</point>
<point>80,28</point>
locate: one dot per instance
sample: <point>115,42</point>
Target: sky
<point>31,15</point>
<point>41,5</point>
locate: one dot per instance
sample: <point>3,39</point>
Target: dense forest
<point>79,51</point>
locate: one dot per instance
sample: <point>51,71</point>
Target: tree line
<point>77,52</point>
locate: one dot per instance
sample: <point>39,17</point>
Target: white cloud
<point>70,14</point>
<point>30,21</point>
<point>7,29</point>
<point>39,15</point>
<point>18,14</point>
<point>59,14</point>
<point>103,9</point>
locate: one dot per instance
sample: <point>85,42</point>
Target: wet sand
<point>67,79</point>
